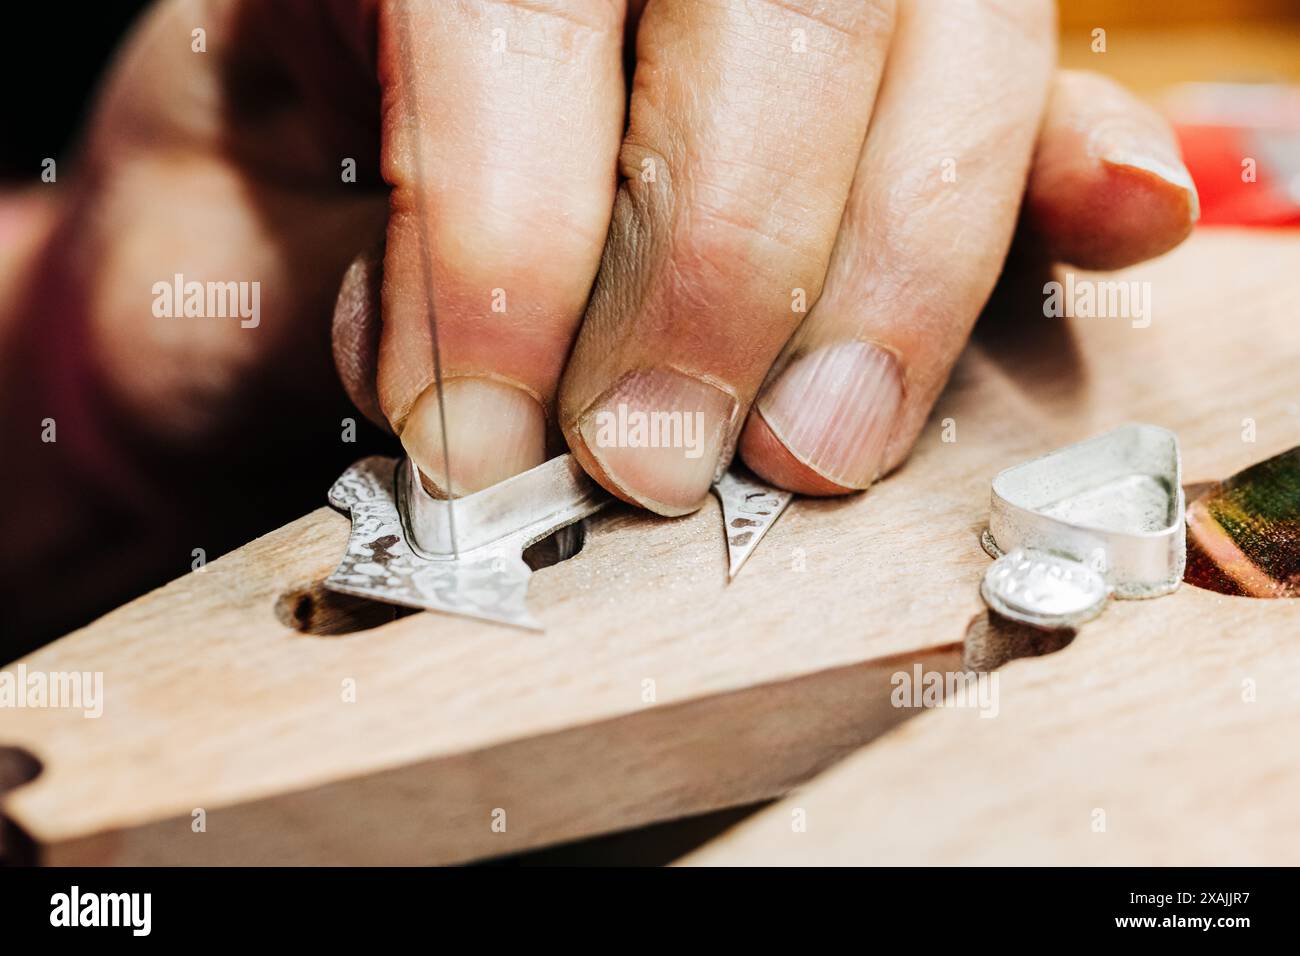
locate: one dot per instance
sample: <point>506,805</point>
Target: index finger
<point>500,132</point>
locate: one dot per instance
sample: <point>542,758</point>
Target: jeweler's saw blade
<point>414,138</point>
<point>488,583</point>
<point>749,509</point>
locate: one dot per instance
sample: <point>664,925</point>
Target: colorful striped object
<point>1243,534</point>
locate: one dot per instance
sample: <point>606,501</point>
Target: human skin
<point>876,158</point>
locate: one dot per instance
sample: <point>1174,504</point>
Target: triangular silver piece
<point>749,508</point>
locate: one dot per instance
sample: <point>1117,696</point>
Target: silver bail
<point>1105,511</point>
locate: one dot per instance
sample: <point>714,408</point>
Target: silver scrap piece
<point>1110,508</point>
<point>749,509</point>
<point>487,579</point>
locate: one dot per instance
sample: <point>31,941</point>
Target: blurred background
<point>1157,43</point>
<point>1227,73</point>
<point>1152,44</point>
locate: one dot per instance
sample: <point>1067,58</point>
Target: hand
<point>767,273</point>
<point>803,231</point>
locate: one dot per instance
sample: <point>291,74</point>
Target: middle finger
<point>746,121</point>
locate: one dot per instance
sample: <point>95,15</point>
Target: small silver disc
<point>1043,589</point>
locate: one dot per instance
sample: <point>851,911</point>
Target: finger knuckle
<point>854,22</point>
<point>584,15</point>
<point>730,252</point>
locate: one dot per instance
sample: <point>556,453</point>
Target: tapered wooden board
<point>1162,735</point>
<point>657,690</point>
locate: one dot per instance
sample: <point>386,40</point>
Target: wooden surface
<point>213,702</point>
<point>1164,733</point>
<point>1144,718</point>
<point>1078,14</point>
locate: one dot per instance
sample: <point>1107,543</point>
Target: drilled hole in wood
<point>314,609</point>
<point>558,547</point>
<point>992,640</point>
<point>17,767</point>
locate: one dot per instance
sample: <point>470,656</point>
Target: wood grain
<point>213,701</point>
<point>1164,734</point>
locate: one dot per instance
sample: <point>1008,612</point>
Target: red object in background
<point>1241,144</point>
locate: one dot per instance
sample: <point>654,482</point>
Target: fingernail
<point>658,434</point>
<point>1137,153</point>
<point>494,432</point>
<point>834,410</point>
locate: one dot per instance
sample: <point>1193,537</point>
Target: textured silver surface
<point>488,582</point>
<point>1044,590</point>
<point>749,509</point>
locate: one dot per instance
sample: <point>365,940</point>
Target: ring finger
<point>928,223</point>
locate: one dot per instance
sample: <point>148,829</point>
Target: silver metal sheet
<point>1113,503</point>
<point>488,581</point>
<point>403,549</point>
